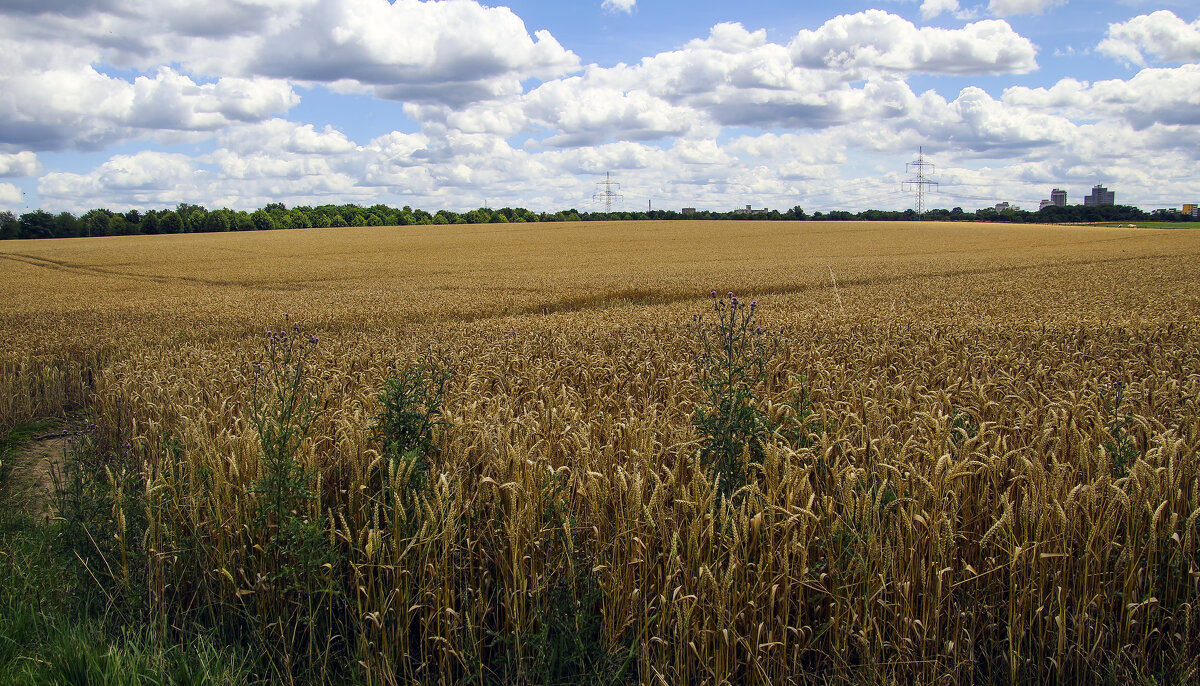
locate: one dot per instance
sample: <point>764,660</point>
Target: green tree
<point>262,220</point>
<point>10,228</point>
<point>66,225</point>
<point>149,223</point>
<point>36,224</point>
<point>95,222</point>
<point>170,222</point>
<point>217,221</point>
<point>300,219</point>
<point>118,225</point>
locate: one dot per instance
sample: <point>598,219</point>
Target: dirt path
<point>32,482</point>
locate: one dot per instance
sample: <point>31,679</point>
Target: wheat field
<point>1002,487</point>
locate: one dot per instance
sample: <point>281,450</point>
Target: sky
<point>686,103</point>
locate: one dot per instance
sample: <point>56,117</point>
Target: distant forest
<point>187,218</point>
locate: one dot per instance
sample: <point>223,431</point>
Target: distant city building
<point>1100,196</point>
<point>1044,204</point>
<point>1002,206</point>
<point>1058,197</point>
<point>749,209</point>
<point>1190,208</point>
<point>689,210</point>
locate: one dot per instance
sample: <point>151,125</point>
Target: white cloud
<point>932,8</point>
<point>236,61</point>
<point>1166,96</point>
<point>1007,8</point>
<point>877,40</point>
<point>23,163</point>
<point>143,179</point>
<point>615,6</point>
<point>451,52</point>
<point>1160,34</point>
<point>63,107</point>
<point>283,136</point>
<point>732,77</point>
<point>10,195</point>
<point>590,112</point>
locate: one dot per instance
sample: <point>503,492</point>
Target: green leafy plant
<point>411,404</point>
<point>1121,446</point>
<point>732,358</point>
<point>963,427</point>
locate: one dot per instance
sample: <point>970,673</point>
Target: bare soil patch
<point>31,482</point>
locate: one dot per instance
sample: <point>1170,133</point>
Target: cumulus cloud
<point>1160,34</point>
<point>454,52</point>
<point>24,163</point>
<point>1163,96</point>
<point>224,178</point>
<point>60,108</point>
<point>732,77</point>
<point>235,61</point>
<point>1007,8</point>
<point>283,136</point>
<point>145,178</point>
<point>588,113</point>
<point>932,8</point>
<point>615,6</point>
<point>10,195</point>
<point>877,40</point>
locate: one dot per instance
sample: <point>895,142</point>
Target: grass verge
<point>49,636</point>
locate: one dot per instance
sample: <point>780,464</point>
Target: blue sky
<point>140,103</point>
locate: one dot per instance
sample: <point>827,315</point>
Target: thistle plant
<point>296,585</point>
<point>283,408</point>
<point>732,358</point>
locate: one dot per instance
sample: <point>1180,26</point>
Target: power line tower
<point>606,192</point>
<point>919,182</point>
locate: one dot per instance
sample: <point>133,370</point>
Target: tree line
<point>187,218</point>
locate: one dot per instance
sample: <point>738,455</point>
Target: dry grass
<point>957,519</point>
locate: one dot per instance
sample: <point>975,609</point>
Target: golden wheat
<point>958,517</point>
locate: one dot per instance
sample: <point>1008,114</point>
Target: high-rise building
<point>1058,197</point>
<point>1100,196</point>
